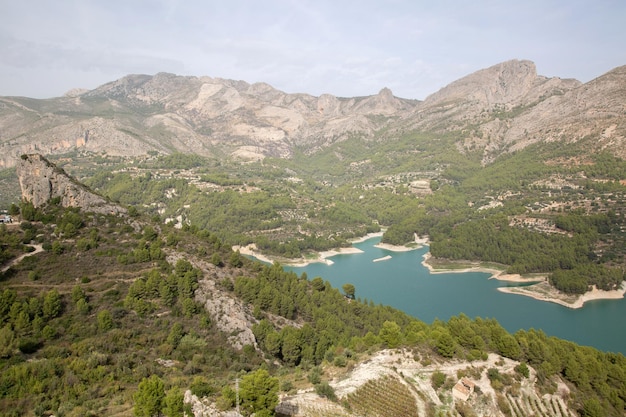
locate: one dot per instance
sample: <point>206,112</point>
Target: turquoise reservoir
<point>404,283</point>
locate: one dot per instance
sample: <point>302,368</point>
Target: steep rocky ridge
<point>498,109</point>
<point>206,116</point>
<point>508,107</point>
<point>595,109</point>
<point>41,181</point>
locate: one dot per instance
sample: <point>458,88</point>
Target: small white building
<point>463,389</point>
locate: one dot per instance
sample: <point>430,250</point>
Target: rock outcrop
<point>41,181</point>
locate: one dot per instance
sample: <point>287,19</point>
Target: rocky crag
<point>41,181</point>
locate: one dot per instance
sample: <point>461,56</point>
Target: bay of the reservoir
<point>404,283</point>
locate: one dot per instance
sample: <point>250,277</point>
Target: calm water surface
<point>404,283</point>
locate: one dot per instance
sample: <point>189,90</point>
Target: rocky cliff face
<point>42,181</point>
<point>508,107</point>
<point>497,109</point>
<point>596,109</point>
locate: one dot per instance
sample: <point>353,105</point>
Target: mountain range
<point>499,109</point>
<point>134,276</point>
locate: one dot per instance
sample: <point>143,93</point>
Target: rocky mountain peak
<point>42,181</point>
<point>122,87</point>
<point>328,104</point>
<point>385,94</point>
<point>75,92</point>
<point>507,82</point>
<point>385,103</point>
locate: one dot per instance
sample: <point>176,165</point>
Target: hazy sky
<point>342,47</point>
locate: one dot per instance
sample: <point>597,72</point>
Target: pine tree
<point>150,397</point>
<point>52,304</point>
<point>174,403</point>
<point>259,393</point>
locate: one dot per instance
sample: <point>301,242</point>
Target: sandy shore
<point>545,292</point>
<point>416,244</point>
<point>251,250</point>
<point>540,290</point>
<point>476,267</point>
<point>366,237</point>
<point>394,248</point>
<point>323,256</point>
<point>384,258</point>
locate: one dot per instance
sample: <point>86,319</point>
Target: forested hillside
<point>523,211</point>
<point>115,315</point>
<point>105,316</point>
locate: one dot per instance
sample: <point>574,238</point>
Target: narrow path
<point>38,248</point>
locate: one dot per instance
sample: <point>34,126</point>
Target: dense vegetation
<point>101,322</point>
<point>290,208</point>
<point>104,320</point>
<point>85,321</point>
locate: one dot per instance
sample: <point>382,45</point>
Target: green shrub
<point>523,370</point>
<point>323,389</point>
<point>201,387</point>
<point>437,379</point>
<point>286,386</point>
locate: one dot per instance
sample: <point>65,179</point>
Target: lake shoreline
<point>323,257</point>
<point>538,287</point>
<point>544,292</point>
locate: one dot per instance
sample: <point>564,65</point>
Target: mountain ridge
<point>496,110</point>
<point>139,277</point>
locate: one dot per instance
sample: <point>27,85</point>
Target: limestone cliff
<point>42,181</point>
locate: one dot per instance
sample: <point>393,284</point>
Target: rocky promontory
<point>42,181</point>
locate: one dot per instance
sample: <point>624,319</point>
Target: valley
<point>171,178</point>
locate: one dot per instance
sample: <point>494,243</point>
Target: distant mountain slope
<point>498,109</point>
<point>596,109</point>
<point>508,106</point>
<point>206,116</point>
